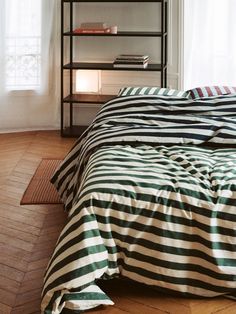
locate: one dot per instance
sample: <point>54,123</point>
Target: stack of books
<point>93,28</point>
<point>131,61</point>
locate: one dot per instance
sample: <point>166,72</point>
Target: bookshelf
<point>68,65</point>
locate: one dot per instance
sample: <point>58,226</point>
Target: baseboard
<point>17,130</point>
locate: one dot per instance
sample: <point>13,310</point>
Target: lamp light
<point>88,81</point>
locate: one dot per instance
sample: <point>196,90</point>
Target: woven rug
<point>40,190</point>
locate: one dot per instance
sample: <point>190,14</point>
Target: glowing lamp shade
<point>88,81</point>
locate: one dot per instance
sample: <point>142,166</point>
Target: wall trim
<point>181,44</point>
<point>170,34</point>
<point>53,128</point>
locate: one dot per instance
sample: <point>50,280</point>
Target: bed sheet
<point>147,202</point>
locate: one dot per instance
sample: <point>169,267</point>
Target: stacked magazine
<point>131,61</point>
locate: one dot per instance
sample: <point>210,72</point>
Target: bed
<point>150,190</point>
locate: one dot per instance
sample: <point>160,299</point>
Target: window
<point>209,43</point>
<point>23,44</point>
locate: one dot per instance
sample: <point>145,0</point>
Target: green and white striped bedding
<point>150,190</point>
<point>147,90</point>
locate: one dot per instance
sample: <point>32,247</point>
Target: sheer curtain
<point>209,43</point>
<point>28,37</point>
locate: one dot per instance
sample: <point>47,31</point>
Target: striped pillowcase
<point>134,91</point>
<point>209,91</point>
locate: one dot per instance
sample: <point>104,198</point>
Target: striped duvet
<point>150,190</point>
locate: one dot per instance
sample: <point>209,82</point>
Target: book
<point>93,25</point>
<point>130,65</point>
<point>131,61</point>
<point>132,57</point>
<point>92,30</point>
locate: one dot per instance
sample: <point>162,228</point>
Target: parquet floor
<point>28,235</point>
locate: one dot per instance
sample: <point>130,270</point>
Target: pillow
<point>209,91</point>
<point>133,91</point>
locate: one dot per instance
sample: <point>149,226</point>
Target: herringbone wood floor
<point>28,235</point>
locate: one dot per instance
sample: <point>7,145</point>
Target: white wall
<point>134,16</point>
<point>45,113</point>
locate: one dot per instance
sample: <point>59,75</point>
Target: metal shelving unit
<point>68,101</point>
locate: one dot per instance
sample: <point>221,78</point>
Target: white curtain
<point>28,64</point>
<point>209,43</point>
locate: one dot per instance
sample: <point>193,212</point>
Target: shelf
<point>71,60</point>
<point>88,98</point>
<point>112,1</point>
<point>109,67</point>
<point>119,34</point>
<point>74,131</point>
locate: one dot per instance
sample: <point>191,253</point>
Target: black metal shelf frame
<point>70,99</point>
<point>119,34</point>
<point>112,1</point>
<point>109,66</point>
